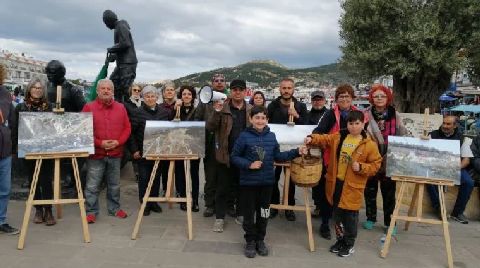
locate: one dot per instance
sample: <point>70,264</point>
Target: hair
<point>287,79</point>
<point>31,84</point>
<point>344,88</point>
<point>3,73</point>
<point>253,96</point>
<point>384,89</point>
<point>168,84</point>
<point>149,89</point>
<point>189,88</point>
<point>258,109</point>
<point>451,115</point>
<point>58,65</point>
<point>130,89</point>
<point>355,115</point>
<point>105,81</point>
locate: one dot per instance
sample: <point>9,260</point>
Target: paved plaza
<point>163,242</point>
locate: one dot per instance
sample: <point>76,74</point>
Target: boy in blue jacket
<point>254,152</point>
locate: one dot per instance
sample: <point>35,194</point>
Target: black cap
<point>237,83</point>
<point>317,93</point>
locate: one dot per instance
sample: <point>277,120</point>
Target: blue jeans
<point>5,184</point>
<point>98,169</point>
<point>464,192</point>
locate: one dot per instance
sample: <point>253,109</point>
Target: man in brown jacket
<point>227,121</point>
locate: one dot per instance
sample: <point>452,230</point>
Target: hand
<point>308,140</point>
<point>218,105</point>
<point>178,103</point>
<point>292,111</point>
<point>303,150</point>
<point>256,165</point>
<point>105,144</point>
<point>137,155</point>
<point>356,166</point>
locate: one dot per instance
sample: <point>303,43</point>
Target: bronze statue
<point>123,52</point>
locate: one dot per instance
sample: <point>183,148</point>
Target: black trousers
<point>180,178</point>
<point>145,168</point>
<point>209,166</point>
<point>276,192</point>
<point>255,209</point>
<point>224,177</point>
<point>163,170</point>
<point>346,221</point>
<point>320,198</point>
<point>388,188</point>
<point>44,189</point>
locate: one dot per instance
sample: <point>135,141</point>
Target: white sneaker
<point>239,220</point>
<point>218,225</point>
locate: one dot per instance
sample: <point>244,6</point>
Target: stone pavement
<point>162,242</point>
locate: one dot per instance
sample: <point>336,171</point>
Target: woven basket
<point>306,170</point>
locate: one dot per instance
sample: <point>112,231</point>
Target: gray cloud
<point>175,38</point>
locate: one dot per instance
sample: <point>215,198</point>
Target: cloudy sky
<point>174,38</point>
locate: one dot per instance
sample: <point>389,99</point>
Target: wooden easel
<point>285,206</point>
<point>416,203</point>
<point>57,200</point>
<point>169,197</point>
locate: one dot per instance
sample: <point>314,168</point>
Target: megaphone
<point>207,95</point>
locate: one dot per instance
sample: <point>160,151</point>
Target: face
<point>286,89</point>
<point>36,91</point>
<point>219,84</point>
<point>449,124</point>
<point>356,127</point>
<point>136,91</point>
<point>150,99</point>
<point>379,99</point>
<point>237,94</point>
<point>344,101</point>
<point>169,93</point>
<point>258,100</point>
<point>259,121</point>
<point>187,96</point>
<point>105,92</point>
<point>318,102</point>
<point>54,72</point>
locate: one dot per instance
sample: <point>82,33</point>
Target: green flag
<point>92,94</point>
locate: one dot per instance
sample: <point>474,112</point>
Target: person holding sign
<point>384,121</point>
<point>353,158</point>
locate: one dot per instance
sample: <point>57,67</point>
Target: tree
<point>415,41</point>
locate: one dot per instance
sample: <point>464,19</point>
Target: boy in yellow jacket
<point>353,158</point>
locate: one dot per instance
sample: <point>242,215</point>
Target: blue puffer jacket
<point>245,152</point>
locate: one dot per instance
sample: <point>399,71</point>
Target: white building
<point>20,69</point>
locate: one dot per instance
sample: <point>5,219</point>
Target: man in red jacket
<point>111,129</point>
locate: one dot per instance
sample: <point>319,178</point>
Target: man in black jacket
<point>278,113</point>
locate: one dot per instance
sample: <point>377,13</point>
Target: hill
<point>267,74</point>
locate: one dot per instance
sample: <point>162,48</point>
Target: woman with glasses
<point>36,101</point>
<point>131,104</point>
<point>185,100</point>
<point>384,121</point>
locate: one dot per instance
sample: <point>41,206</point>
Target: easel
<point>57,200</point>
<point>169,198</point>
<point>417,200</point>
<point>286,206</point>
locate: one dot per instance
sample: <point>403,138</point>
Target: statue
<point>123,52</point>
<point>72,95</point>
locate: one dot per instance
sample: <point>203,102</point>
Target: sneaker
<point>290,215</point>
<point>273,213</point>
<point>368,225</point>
<point>460,218</point>
<point>261,248</point>
<point>346,251</point>
<point>316,212</point>
<point>6,228</point>
<point>121,214</point>
<point>250,250</point>
<point>183,206</point>
<point>335,248</point>
<point>146,211</point>
<point>155,207</point>
<point>218,225</point>
<point>239,220</point>
<point>208,212</point>
<point>325,232</point>
<point>91,218</point>
<point>195,207</point>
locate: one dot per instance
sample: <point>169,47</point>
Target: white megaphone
<point>207,95</point>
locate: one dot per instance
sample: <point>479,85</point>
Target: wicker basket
<point>306,170</point>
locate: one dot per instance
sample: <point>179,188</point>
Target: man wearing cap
<point>278,113</point>
<point>203,111</point>
<point>227,121</point>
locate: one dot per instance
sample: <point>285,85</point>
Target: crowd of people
<point>240,150</point>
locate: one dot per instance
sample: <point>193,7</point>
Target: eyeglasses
<point>37,87</point>
<point>344,96</point>
<point>137,90</point>
<point>219,80</point>
<point>318,99</point>
<point>380,96</point>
